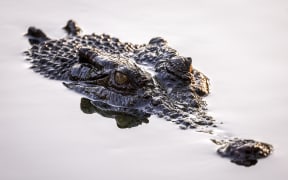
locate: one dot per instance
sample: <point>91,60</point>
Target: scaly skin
<point>130,82</point>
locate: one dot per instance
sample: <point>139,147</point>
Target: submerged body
<point>127,79</point>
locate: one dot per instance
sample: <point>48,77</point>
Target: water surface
<point>240,45</point>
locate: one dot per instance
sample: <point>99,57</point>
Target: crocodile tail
<point>72,28</point>
<point>36,36</point>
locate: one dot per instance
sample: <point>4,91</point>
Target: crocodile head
<point>180,83</point>
<point>111,79</point>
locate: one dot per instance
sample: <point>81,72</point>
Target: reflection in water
<point>245,152</point>
<point>123,120</point>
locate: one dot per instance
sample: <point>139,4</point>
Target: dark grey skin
<point>130,82</point>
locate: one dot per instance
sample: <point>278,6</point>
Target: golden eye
<point>191,69</point>
<point>121,78</point>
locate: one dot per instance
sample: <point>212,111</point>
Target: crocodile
<point>131,82</point>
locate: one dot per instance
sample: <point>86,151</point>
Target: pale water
<point>241,45</point>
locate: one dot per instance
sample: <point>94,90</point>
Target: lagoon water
<point>240,45</point>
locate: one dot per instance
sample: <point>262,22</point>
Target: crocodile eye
<point>191,69</point>
<point>121,78</point>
